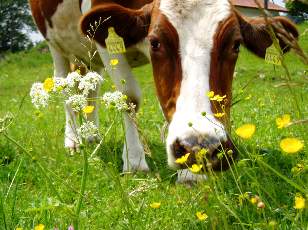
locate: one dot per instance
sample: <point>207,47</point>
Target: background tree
<point>297,7</point>
<point>15,22</point>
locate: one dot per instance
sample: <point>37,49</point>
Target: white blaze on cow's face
<point>196,22</point>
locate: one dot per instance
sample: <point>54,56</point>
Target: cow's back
<point>58,21</point>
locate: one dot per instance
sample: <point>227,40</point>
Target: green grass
<point>122,202</point>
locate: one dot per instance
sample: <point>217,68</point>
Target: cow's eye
<point>155,44</point>
<point>236,46</point>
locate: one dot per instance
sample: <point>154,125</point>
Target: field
<point>40,181</point>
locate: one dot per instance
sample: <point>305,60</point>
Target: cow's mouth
<point>217,157</point>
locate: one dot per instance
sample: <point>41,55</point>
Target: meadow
<point>40,180</point>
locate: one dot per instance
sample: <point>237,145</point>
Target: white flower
<point>89,82</point>
<point>73,79</point>
<point>59,84</point>
<point>87,130</point>
<point>116,100</point>
<point>39,96</point>
<point>77,102</point>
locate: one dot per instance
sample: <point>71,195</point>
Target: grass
<point>28,197</point>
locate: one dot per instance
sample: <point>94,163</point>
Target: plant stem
<point>82,188</point>
<point>282,176</point>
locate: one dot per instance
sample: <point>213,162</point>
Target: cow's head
<point>194,46</point>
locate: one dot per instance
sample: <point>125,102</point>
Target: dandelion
<point>88,109</point>
<point>48,84</point>
<point>18,229</point>
<point>195,168</point>
<point>155,205</point>
<point>116,100</point>
<point>73,79</point>
<point>89,82</point>
<point>59,84</point>
<point>299,202</point>
<point>201,216</point>
<point>283,121</point>
<point>39,227</point>
<point>39,96</point>
<point>182,159</point>
<point>219,115</point>
<point>246,131</point>
<point>77,102</point>
<point>291,145</point>
<point>87,130</point>
<point>114,62</point>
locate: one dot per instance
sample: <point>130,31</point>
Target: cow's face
<point>194,46</point>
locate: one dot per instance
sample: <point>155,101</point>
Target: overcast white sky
<point>36,37</point>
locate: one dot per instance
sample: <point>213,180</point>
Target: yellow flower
<point>201,216</point>
<point>155,205</point>
<point>283,121</point>
<point>299,202</point>
<point>39,227</point>
<point>219,115</point>
<point>253,200</point>
<point>88,109</point>
<point>182,159</point>
<point>48,84</point>
<point>291,145</point>
<point>246,131</point>
<point>114,62</point>
<point>219,98</point>
<point>18,229</point>
<point>210,94</point>
<point>200,155</point>
<point>195,168</point>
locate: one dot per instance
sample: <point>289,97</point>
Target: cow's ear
<point>257,38</point>
<point>132,25</point>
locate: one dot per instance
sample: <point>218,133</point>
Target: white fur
<point>185,175</point>
<point>65,36</point>
<point>86,6</point>
<point>196,22</point>
<point>133,152</point>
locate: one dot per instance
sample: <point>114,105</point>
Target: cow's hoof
<point>71,146</point>
<point>185,176</point>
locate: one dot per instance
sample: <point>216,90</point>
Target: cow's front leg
<point>61,70</point>
<point>121,74</point>
<point>133,153</point>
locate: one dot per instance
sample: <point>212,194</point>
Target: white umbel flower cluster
<point>87,130</point>
<point>73,79</point>
<point>77,102</point>
<point>39,96</point>
<point>59,84</point>
<point>116,100</point>
<point>89,82</point>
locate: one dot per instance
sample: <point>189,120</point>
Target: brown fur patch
<point>130,24</point>
<point>255,33</point>
<point>166,64</point>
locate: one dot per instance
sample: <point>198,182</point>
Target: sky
<point>36,37</point>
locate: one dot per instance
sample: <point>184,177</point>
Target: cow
<point>193,46</point>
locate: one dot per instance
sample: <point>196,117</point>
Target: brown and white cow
<point>193,46</point>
